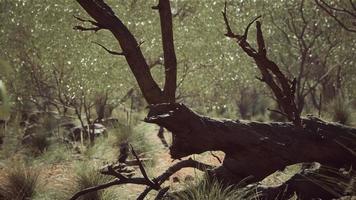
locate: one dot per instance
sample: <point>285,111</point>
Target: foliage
<point>70,67</point>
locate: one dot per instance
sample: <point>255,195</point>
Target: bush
<point>40,142</point>
<point>19,182</point>
<point>37,142</point>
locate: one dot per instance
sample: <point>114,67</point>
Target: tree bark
<point>255,148</point>
<point>106,19</point>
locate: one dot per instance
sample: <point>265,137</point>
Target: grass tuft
<point>87,176</point>
<point>19,182</point>
<point>213,190</point>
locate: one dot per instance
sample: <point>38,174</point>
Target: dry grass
<point>19,182</point>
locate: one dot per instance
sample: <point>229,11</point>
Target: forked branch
<point>282,87</point>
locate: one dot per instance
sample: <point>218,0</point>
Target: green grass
<point>134,136</point>
<point>56,153</point>
<point>87,176</point>
<point>213,190</point>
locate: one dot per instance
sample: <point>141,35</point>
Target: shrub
<point>40,142</point>
<point>19,182</point>
<point>37,142</point>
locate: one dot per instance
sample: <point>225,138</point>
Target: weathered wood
<point>255,148</point>
<point>313,181</point>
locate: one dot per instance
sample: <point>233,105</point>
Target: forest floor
<point>57,175</point>
<point>59,167</point>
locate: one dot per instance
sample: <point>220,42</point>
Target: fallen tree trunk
<point>251,148</point>
<point>255,148</point>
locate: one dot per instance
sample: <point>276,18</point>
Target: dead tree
<point>251,148</point>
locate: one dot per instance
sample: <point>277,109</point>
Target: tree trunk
<point>255,148</point>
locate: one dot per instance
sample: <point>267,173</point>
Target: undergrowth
<point>213,190</point>
<point>19,182</point>
<point>87,176</point>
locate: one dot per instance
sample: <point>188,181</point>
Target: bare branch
<point>173,169</point>
<point>95,188</point>
<point>143,171</point>
<point>96,26</point>
<point>318,81</point>
<point>338,9</point>
<point>161,193</point>
<point>229,32</point>
<point>151,185</point>
<point>110,51</point>
<point>281,86</point>
<point>249,25</point>
<point>329,10</point>
<point>184,76</point>
<point>278,112</point>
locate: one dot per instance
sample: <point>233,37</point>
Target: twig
<point>96,26</point>
<point>173,169</point>
<point>143,171</point>
<point>110,51</point>
<point>95,188</point>
<point>278,112</point>
<point>229,32</point>
<point>324,6</point>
